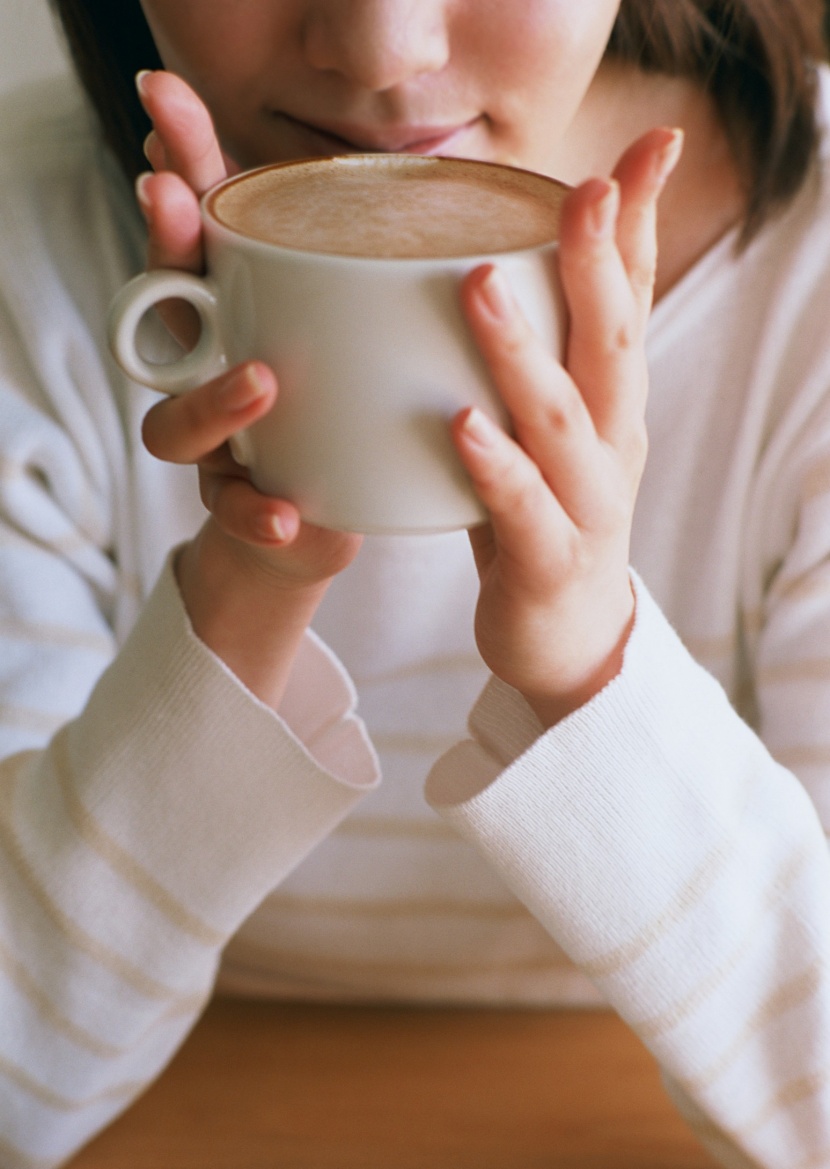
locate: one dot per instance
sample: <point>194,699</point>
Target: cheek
<point>558,42</point>
<point>208,42</point>
<point>543,59</point>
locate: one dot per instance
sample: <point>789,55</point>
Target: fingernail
<point>479,428</point>
<point>140,78</point>
<point>242,390</point>
<point>148,144</point>
<point>271,528</point>
<point>497,295</point>
<point>605,207</point>
<point>142,194</point>
<point>667,159</point>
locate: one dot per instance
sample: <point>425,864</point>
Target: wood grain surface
<point>275,1086</point>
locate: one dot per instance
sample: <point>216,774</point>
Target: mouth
<point>406,139</point>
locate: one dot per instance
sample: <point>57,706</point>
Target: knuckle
<point>520,485</point>
<point>641,275</point>
<point>515,339</point>
<point>561,415</point>
<point>642,287</point>
<point>624,335</point>
<point>204,144</point>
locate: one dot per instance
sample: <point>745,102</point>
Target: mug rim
<point>255,243</point>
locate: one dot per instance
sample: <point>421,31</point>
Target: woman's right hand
<point>253,577</point>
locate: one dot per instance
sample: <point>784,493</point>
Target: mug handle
<point>207,360</point>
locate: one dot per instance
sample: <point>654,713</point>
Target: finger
<point>550,419</point>
<point>186,429</point>
<point>604,352</point>
<point>184,127</point>
<point>608,260</point>
<point>527,523</point>
<point>642,173</point>
<point>174,241</point>
<point>173,221</point>
<point>248,515</point>
<point>155,153</point>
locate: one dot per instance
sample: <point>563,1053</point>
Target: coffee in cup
<point>392,207</point>
<point>343,275</point>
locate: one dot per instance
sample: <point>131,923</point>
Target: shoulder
<point>804,223</point>
<point>752,321</point>
<point>53,162</point>
<point>46,131</point>
<point>784,272</point>
<point>41,110</point>
<point>68,222</point>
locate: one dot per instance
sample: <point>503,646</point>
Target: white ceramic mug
<point>372,356</point>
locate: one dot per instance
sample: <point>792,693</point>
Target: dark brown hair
<point>109,42</point>
<point>757,58</point>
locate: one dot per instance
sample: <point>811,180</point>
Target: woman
<point>623,832</point>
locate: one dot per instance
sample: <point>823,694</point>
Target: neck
<point>704,197</point>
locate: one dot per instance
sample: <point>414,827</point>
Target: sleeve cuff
<point>504,727</point>
<point>202,784</point>
<point>603,821</point>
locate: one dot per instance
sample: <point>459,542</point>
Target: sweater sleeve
<point>132,847</point>
<point>683,870</point>
<point>148,802</point>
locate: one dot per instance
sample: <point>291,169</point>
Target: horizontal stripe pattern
<point>117,1094</point>
<point>53,1017</point>
<point>119,859</point>
<point>656,1027</point>
<point>42,633</point>
<point>134,976</point>
<point>13,1158</point>
<point>709,933</point>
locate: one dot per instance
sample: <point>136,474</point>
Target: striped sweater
<point>163,833</point>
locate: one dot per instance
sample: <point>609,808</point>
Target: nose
<point>377,44</point>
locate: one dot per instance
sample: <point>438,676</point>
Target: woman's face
<point>493,79</point>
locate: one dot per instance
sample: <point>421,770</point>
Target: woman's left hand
<point>556,605</point>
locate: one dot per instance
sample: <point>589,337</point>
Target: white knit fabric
<point>662,849</point>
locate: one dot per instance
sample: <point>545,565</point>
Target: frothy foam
<point>393,206</point>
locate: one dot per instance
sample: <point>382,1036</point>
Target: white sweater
<point>661,850</point>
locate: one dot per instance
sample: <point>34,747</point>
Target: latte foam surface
<point>393,206</point>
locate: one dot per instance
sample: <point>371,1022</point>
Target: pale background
<point>29,44</point>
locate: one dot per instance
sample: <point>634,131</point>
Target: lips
<point>343,138</point>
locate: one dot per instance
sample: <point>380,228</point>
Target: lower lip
<point>443,144</point>
<point>331,144</point>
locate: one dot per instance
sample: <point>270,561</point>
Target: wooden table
<point>270,1086</point>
